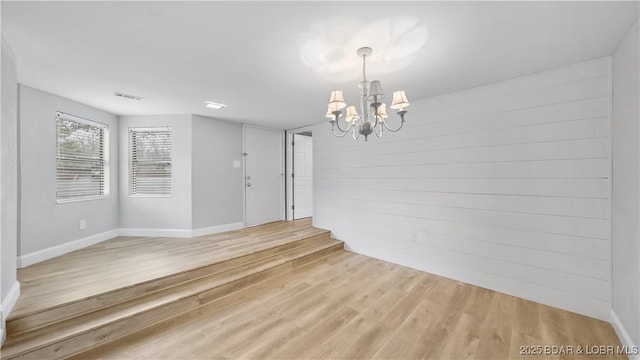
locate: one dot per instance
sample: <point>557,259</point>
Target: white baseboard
<point>48,253</point>
<point>6,305</point>
<point>180,233</point>
<point>623,335</point>
<point>599,309</point>
<point>10,300</point>
<point>216,229</point>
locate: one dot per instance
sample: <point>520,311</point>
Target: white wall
<point>158,216</point>
<point>9,286</point>
<point>50,229</point>
<point>216,184</point>
<point>47,228</point>
<point>207,189</point>
<point>626,189</point>
<point>505,186</point>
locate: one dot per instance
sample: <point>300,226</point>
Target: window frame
<point>130,179</point>
<point>106,165</point>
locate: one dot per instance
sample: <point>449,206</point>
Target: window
<point>81,158</point>
<point>150,161</point>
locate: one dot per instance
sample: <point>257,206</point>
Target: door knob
<point>248,184</point>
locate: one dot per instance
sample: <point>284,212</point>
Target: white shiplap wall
<point>505,186</point>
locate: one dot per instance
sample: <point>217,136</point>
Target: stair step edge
<point>61,334</point>
<point>293,244</point>
<point>217,279</point>
<point>17,327</point>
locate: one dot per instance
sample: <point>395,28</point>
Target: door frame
<point>289,167</point>
<point>244,170</point>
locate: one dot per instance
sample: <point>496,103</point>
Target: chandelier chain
<point>364,68</point>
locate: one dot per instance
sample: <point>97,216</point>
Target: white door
<point>264,175</point>
<point>303,176</point>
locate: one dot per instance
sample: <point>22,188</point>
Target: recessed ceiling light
<point>213,105</point>
<point>127,96</point>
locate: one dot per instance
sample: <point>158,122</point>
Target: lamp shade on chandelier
<point>373,116</point>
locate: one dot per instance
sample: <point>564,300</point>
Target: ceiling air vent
<point>127,96</point>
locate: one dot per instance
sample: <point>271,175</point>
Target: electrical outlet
<point>414,236</point>
<point>83,224</point>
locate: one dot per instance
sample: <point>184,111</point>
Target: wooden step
<point>80,333</point>
<point>48,316</point>
<point>79,274</point>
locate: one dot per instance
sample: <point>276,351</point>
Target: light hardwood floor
<point>348,306</point>
<point>127,261</point>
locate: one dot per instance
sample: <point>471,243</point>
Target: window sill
<point>149,196</point>
<point>88,198</point>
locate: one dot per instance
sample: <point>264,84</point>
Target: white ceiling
<point>274,63</point>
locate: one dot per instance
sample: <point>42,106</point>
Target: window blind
<point>80,158</point>
<point>150,161</point>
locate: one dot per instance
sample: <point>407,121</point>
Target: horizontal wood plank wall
<point>505,186</point>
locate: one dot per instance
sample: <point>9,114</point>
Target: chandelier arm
<point>341,134</point>
<point>401,113</point>
<point>378,120</point>
<point>379,134</point>
<point>336,115</point>
<point>355,134</point>
<point>339,128</point>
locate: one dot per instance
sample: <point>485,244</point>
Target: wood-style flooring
<point>348,306</point>
<point>127,261</point>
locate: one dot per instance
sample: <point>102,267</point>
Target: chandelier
<point>373,112</point>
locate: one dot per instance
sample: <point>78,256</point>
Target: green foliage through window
<point>150,161</point>
<point>80,158</point>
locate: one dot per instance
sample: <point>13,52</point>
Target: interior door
<point>264,175</point>
<point>303,176</point>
